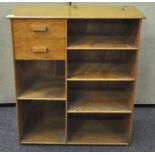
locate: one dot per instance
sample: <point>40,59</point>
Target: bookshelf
<point>75,73</point>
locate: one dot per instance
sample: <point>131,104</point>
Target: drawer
<point>39,39</point>
<point>44,28</point>
<point>41,49</point>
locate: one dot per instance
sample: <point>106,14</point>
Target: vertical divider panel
<point>66,121</point>
<point>19,126</point>
<point>135,72</point>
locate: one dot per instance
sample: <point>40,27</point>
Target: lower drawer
<point>39,48</point>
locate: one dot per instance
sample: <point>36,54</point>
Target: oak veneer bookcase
<point>75,73</point>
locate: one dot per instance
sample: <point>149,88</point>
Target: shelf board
<point>44,89</point>
<point>90,131</point>
<point>98,72</point>
<point>98,101</point>
<point>92,42</point>
<point>49,130</point>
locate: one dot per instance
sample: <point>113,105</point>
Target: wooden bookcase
<point>75,73</point>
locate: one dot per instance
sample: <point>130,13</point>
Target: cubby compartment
<point>40,80</point>
<point>100,97</point>
<point>101,65</point>
<point>102,34</point>
<point>98,129</point>
<point>41,122</point>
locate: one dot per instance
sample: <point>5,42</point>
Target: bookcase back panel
<point>41,69</point>
<point>40,79</point>
<point>102,128</point>
<point>106,27</point>
<point>41,120</point>
<point>103,34</point>
<point>100,85</point>
<point>104,56</point>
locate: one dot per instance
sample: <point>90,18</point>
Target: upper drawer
<point>36,28</point>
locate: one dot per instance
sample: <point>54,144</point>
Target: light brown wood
<point>98,101</point>
<point>91,42</point>
<point>39,28</point>
<point>40,11</point>
<point>99,97</point>
<point>76,11</point>
<point>18,114</point>
<point>61,98</point>
<point>44,89</point>
<point>33,44</point>
<point>24,49</point>
<point>105,56</point>
<point>99,130</point>
<point>102,34</point>
<point>45,122</point>
<point>101,85</point>
<point>105,12</point>
<point>99,71</point>
<point>45,132</point>
<point>130,125</point>
<point>66,92</point>
<point>41,80</point>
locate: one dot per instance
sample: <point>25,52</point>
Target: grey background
<point>145,92</point>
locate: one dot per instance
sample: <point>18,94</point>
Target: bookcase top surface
<point>76,12</point>
<point>40,11</point>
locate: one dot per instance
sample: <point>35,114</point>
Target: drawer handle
<point>39,28</point>
<point>39,49</point>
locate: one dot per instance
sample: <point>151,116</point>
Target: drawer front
<point>39,38</point>
<point>46,28</point>
<point>31,49</point>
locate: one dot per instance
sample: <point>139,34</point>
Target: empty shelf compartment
<point>102,34</point>
<point>100,97</point>
<point>98,129</point>
<point>42,122</point>
<point>99,71</point>
<point>101,65</point>
<point>40,80</point>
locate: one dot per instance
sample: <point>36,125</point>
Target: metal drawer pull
<point>39,49</point>
<point>39,28</point>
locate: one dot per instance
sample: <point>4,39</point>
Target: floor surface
<point>143,137</point>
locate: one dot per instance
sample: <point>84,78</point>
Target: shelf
<point>98,101</point>
<point>44,89</point>
<point>45,133</point>
<point>40,80</point>
<point>43,122</point>
<point>99,72</point>
<point>92,42</point>
<point>90,130</point>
